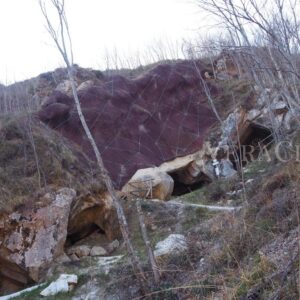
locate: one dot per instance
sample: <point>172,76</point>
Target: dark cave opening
<point>184,184</point>
<point>83,233</point>
<point>253,141</point>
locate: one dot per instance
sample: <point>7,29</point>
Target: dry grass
<point>33,157</point>
<point>235,93</point>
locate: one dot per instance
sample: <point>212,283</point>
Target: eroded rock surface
<point>90,211</point>
<point>36,163</point>
<point>137,123</point>
<point>150,183</point>
<point>32,238</point>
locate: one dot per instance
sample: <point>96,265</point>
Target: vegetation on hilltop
<point>32,157</point>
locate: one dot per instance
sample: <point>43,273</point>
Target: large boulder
<point>32,238</point>
<point>150,183</point>
<point>175,176</point>
<point>191,169</point>
<point>138,122</point>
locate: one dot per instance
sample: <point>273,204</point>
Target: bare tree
<point>151,256</point>
<point>62,40</point>
<point>275,22</point>
<point>265,41</point>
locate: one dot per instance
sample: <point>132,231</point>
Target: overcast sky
<point>97,27</point>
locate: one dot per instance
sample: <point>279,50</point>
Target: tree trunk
<point>62,39</point>
<point>108,183</point>
<point>151,257</point>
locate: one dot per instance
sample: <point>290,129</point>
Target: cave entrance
<point>92,223</point>
<point>184,183</point>
<point>84,233</point>
<point>253,140</point>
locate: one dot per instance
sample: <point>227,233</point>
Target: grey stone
<point>98,251</point>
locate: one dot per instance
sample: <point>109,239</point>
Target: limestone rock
<point>65,283</point>
<point>85,85</point>
<point>113,246</point>
<point>236,122</point>
<point>98,251</point>
<point>34,237</point>
<point>186,170</point>
<point>192,168</point>
<point>65,87</point>
<point>80,251</point>
<point>90,210</point>
<point>227,169</point>
<point>150,183</point>
<point>174,243</point>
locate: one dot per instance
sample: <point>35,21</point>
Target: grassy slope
<point>33,156</point>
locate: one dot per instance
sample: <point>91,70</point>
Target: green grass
<point>210,193</point>
<point>35,294</point>
<point>195,216</point>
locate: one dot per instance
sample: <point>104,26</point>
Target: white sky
<point>129,26</point>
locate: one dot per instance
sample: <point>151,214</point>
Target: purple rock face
<point>138,123</point>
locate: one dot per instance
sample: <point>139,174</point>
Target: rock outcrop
<point>32,238</point>
<point>150,183</point>
<point>89,211</point>
<point>140,122</point>
<point>37,212</point>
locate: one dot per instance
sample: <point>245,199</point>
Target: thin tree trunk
<point>108,182</point>
<point>151,257</point>
<point>60,40</point>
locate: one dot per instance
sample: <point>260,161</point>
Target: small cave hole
<point>252,142</point>
<point>84,233</point>
<point>184,184</point>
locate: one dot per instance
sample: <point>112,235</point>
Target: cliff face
<point>141,122</point>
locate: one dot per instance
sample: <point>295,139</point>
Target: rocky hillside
<point>202,137</point>
<point>48,187</point>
